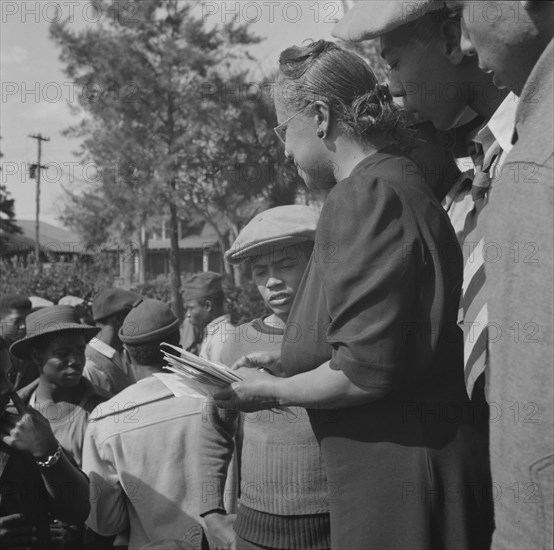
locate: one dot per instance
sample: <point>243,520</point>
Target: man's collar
<point>500,127</point>
<point>103,348</point>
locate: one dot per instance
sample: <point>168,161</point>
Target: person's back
<point>140,449</point>
<point>143,441</point>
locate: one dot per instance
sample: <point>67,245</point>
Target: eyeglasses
<point>281,130</point>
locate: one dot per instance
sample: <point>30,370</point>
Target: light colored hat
<point>372,18</point>
<point>293,223</point>
<point>70,301</point>
<point>48,320</point>
<point>37,302</point>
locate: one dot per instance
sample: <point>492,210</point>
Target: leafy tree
<point>7,212</point>
<point>144,76</point>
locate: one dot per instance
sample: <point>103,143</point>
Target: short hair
<point>149,353</point>
<point>322,71</point>
<point>218,299</point>
<point>14,301</point>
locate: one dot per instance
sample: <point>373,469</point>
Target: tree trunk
<point>174,268</point>
<point>142,252</point>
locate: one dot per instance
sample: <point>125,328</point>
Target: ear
<point>322,116</point>
<point>451,34</point>
<point>208,305</point>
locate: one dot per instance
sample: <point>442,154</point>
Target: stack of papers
<point>201,375</point>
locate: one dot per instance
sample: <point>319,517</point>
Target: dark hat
<point>202,285</point>
<point>149,320</point>
<point>112,301</point>
<point>14,301</point>
<point>284,224</point>
<point>48,320</point>
<point>372,18</point>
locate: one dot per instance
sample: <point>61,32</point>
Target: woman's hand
<point>266,360</point>
<point>256,391</point>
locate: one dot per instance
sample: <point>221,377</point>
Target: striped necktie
<point>474,303</point>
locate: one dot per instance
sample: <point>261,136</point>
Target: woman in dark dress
<point>372,345</point>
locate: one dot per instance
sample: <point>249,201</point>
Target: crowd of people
<point>398,394</point>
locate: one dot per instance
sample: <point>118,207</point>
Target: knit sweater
<point>283,485</point>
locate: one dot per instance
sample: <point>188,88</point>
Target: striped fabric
<point>474,304</point>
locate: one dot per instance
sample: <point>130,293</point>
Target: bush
<point>53,281</point>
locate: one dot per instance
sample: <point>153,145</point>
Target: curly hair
<point>322,71</point>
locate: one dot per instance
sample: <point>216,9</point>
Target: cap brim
<point>22,350</point>
<point>258,249</point>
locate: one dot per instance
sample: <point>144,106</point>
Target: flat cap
<point>15,301</point>
<point>112,301</point>
<point>292,223</point>
<point>201,285</point>
<point>148,321</point>
<point>372,18</point>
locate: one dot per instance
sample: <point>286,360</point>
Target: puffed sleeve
<point>369,279</point>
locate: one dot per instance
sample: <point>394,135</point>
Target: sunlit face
<point>61,362</point>
<point>13,324</point>
<point>304,148</point>
<point>197,313</point>
<point>426,80</point>
<point>277,273</point>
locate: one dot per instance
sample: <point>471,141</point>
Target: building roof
<point>56,240</point>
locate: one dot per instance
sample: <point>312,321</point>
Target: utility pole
<point>38,167</point>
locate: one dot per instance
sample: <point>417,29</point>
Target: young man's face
<point>431,86</point>
<point>198,314</point>
<point>13,323</point>
<point>61,362</point>
<point>277,274</point>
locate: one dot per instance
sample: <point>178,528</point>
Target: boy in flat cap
<point>141,451</point>
<point>204,302</point>
<point>279,451</point>
<point>106,365</point>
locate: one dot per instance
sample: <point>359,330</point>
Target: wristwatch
<point>51,460</point>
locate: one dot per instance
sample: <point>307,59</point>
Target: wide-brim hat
<point>289,224</point>
<point>369,19</point>
<point>49,320</point>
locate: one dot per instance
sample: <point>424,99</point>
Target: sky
<point>37,96</point>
